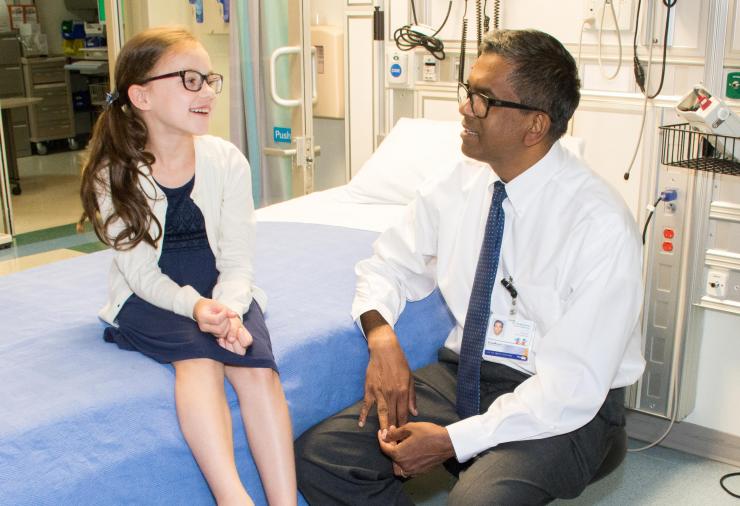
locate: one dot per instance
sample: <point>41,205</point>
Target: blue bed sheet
<point>82,422</point>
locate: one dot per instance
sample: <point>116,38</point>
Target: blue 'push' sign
<point>281,134</point>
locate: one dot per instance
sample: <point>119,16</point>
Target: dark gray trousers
<point>340,463</point>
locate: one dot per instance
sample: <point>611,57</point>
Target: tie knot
<point>499,191</point>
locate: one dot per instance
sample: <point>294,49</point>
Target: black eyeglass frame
<point>491,102</point>
<point>181,74</point>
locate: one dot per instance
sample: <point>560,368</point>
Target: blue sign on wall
<point>281,134</point>
<point>396,70</point>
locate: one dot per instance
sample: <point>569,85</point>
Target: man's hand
<point>213,317</point>
<point>416,447</point>
<point>388,380</point>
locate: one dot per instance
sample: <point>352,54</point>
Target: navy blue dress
<point>188,260</point>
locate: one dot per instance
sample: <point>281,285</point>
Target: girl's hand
<point>213,317</point>
<point>238,338</point>
<point>241,334</point>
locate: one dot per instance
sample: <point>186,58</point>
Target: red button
<point>667,246</point>
<point>668,233</point>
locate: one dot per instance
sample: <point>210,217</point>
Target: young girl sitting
<point>176,206</point>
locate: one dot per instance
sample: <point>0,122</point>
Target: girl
<point>176,206</point>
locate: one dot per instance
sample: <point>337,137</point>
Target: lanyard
<point>509,285</point>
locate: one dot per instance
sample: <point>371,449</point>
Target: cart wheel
<point>16,190</point>
<point>73,144</point>
<point>41,148</point>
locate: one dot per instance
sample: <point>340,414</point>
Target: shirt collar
<point>522,190</point>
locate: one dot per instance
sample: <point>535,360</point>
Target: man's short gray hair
<point>545,74</point>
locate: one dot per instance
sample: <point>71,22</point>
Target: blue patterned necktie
<point>479,308</point>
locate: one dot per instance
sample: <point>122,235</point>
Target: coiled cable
<point>619,40</point>
<point>461,70</point>
<point>486,18</point>
<point>409,37</point>
<point>639,71</point>
<point>478,24</point>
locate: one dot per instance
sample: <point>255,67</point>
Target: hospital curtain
<point>262,29</point>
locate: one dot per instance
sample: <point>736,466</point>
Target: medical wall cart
<point>53,118</point>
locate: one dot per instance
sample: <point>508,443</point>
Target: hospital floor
<point>658,476</point>
<point>45,214</point>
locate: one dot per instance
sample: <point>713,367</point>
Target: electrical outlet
<point>717,283</point>
<point>430,68</point>
<point>622,8</point>
<point>589,9</point>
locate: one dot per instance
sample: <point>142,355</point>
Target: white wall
<point>608,119</point>
<point>148,13</point>
<point>325,12</point>
<point>717,394</point>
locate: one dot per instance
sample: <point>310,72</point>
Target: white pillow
<point>415,150</point>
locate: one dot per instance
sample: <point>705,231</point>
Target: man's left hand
<point>416,447</point>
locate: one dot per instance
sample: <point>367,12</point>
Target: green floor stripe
<point>90,247</point>
<point>47,234</point>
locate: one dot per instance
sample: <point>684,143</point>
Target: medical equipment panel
<point>693,263</point>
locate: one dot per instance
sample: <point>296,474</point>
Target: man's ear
<point>138,95</point>
<point>538,128</point>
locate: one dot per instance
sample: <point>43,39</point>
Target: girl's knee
<point>263,376</point>
<point>203,366</point>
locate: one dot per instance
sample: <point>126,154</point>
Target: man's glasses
<point>193,80</point>
<point>480,103</point>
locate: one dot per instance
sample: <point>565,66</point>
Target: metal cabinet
<point>11,85</point>
<point>53,118</point>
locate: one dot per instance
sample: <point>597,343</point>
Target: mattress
<point>333,207</point>
<point>86,423</point>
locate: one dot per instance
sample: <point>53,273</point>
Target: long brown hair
<point>117,148</point>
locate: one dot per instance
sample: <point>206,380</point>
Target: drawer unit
<point>22,141</point>
<point>11,85</point>
<point>10,50</point>
<point>46,73</point>
<point>52,118</point>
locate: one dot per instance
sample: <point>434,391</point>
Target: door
<point>6,213</point>
<point>289,84</point>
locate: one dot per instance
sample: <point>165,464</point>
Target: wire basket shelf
<point>684,146</point>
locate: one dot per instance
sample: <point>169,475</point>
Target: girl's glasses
<point>193,80</point>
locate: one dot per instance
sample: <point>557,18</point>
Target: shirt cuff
<point>185,300</point>
<point>466,437</point>
<point>359,311</point>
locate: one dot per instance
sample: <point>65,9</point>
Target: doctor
<point>531,237</point>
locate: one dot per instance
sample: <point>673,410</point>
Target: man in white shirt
<point>530,238</point>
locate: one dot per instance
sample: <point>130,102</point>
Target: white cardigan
<point>223,193</point>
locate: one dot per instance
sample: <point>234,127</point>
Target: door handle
<point>287,152</point>
<point>283,51</point>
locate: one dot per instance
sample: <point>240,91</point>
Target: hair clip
<point>111,97</point>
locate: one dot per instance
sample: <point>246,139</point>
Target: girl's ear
<point>138,95</point>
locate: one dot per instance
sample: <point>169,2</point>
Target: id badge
<point>509,337</point>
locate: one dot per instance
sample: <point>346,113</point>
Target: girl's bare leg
<point>265,415</point>
<point>205,422</point>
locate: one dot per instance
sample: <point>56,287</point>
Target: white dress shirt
<point>573,251</point>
